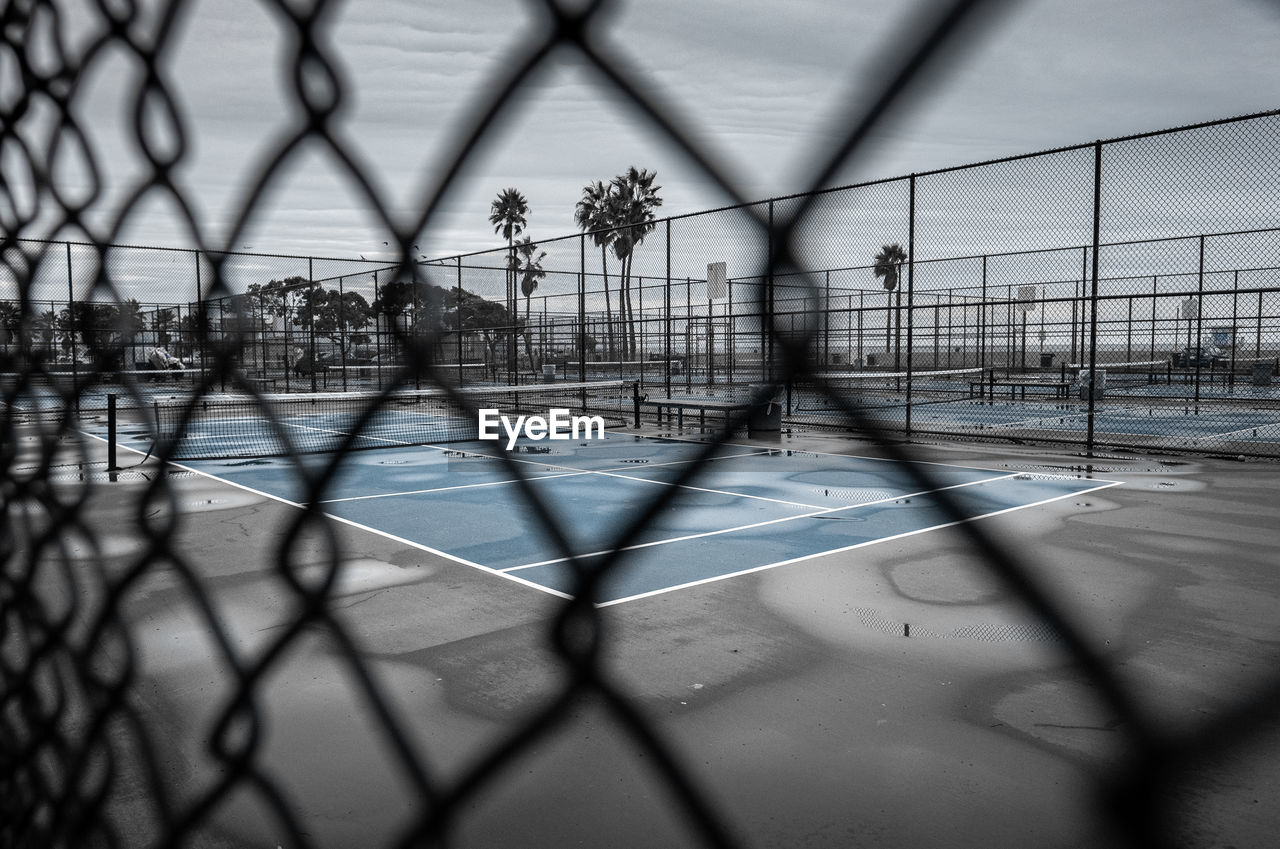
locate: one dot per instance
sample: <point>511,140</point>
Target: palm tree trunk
<point>608,312</point>
<point>630,314</point>
<point>528,336</point>
<point>888,325</point>
<point>897,335</point>
<point>512,354</point>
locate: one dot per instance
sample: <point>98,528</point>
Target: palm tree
<point>529,267</point>
<point>634,197</point>
<point>888,267</point>
<point>594,215</point>
<point>507,215</point>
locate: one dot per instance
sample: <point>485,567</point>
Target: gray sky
<point>760,82</point>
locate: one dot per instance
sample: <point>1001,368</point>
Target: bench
<point>725,408</point>
<point>1018,388</point>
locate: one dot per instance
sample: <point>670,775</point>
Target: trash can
<point>871,360</point>
<point>1046,361</point>
<point>1261,373</point>
<point>1099,386</point>
<point>764,419</point>
<point>549,373</point>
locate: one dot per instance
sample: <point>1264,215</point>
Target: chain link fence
<point>1123,293</point>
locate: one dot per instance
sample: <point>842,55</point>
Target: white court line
<point>816,512</point>
<point>379,532</point>
<point>573,471</point>
<point>506,574</point>
<point>1038,420</point>
<point>447,488</point>
<point>706,489</point>
<point>1272,425</point>
<point>863,544</point>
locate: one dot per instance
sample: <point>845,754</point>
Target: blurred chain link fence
<point>1123,293</point>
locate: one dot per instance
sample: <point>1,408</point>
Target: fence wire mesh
<point>1124,293</point>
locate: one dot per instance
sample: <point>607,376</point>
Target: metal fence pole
<point>666,335</point>
<point>1197,349</point>
<point>767,313</point>
<point>1154,294</point>
<point>72,324</point>
<point>1235,318</point>
<point>457,322</point>
<point>582,307</point>
<point>826,320</point>
<point>729,334</point>
<point>1093,305</point>
<point>311,319</point>
<point>911,266</point>
<point>342,335</point>
<point>688,337</point>
<point>982,320</point>
<point>377,331</point>
<point>1257,339</point>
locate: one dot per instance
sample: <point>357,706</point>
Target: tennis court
<point>748,509</point>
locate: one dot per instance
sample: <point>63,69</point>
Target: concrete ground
<point>790,698</point>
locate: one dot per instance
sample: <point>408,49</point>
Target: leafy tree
<point>409,305</point>
<point>410,308</point>
<point>193,331</point>
<point>633,199</point>
<point>468,312</point>
<point>162,320</point>
<point>594,215</point>
<point>103,329</point>
<point>508,215</point>
<point>337,316</point>
<point>887,265</point>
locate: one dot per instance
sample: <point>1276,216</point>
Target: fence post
<point>199,319</point>
<point>111,434</point>
<point>826,321</point>
<point>1093,299</point>
<point>377,332</point>
<point>766,317</point>
<point>666,299</point>
<point>71,328</point>
<point>582,308</point>
<point>1235,318</point>
<point>911,266</point>
<point>1197,348</point>
<point>1154,295</point>
<point>688,337</point>
<point>1257,338</point>
<point>342,334</point>
<point>457,322</point>
<point>1084,277</point>
<point>982,320</point>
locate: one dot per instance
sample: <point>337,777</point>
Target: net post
<point>111,433</point>
<point>635,401</point>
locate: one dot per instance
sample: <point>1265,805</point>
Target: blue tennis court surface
<point>750,508</point>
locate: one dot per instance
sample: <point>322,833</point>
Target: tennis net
<point>870,390</point>
<point>214,427</point>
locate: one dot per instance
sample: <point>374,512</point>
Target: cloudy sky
<point>762,84</point>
